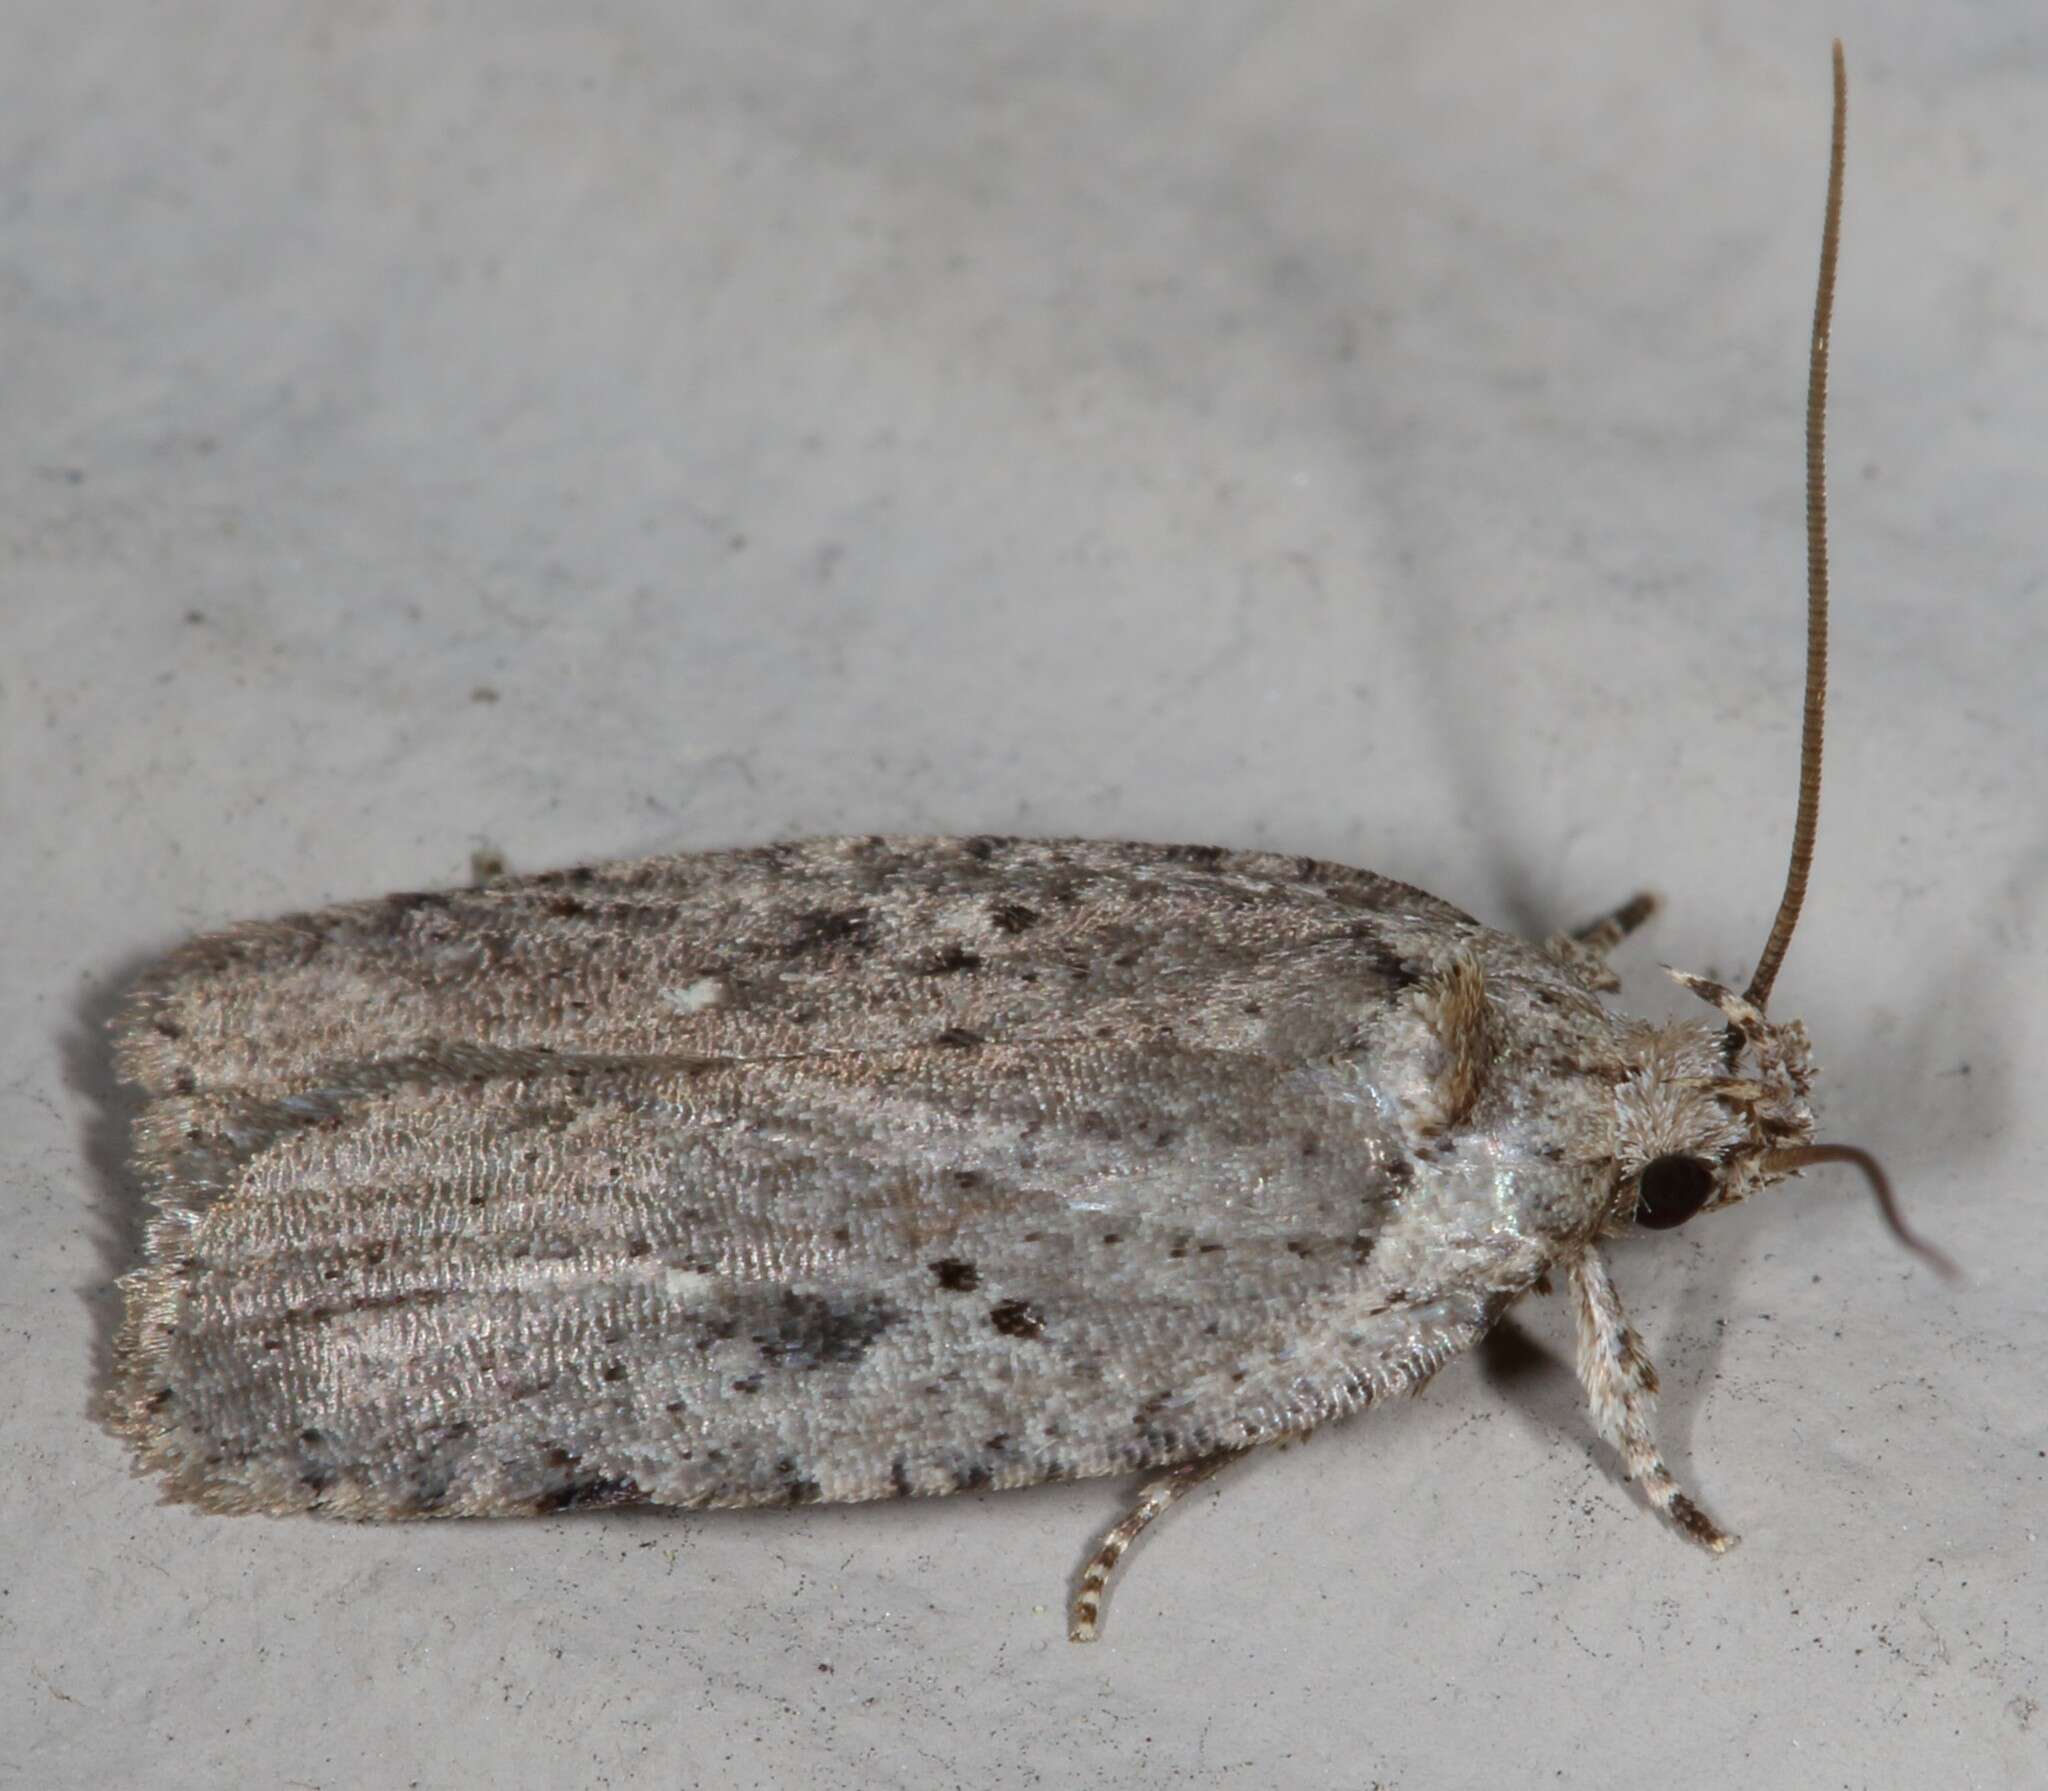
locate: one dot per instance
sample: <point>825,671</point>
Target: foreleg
<point>1621,1387</point>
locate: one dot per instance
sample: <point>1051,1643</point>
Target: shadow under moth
<point>871,1167</point>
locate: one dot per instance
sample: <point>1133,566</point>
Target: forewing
<point>825,1172</point>
<point>840,945</point>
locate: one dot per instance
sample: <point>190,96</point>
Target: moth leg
<point>1584,952</point>
<point>1621,1387</point>
<point>1599,937</point>
<point>1156,1497</point>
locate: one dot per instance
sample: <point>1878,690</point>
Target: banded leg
<point>1157,1496</point>
<point>1586,949</point>
<point>1599,937</point>
<point>1621,1387</point>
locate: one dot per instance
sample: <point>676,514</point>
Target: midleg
<point>1586,949</point>
<point>1601,936</point>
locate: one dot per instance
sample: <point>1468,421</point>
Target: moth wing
<point>443,1246</point>
<point>821,945</point>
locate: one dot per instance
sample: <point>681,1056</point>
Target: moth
<point>870,1167</point>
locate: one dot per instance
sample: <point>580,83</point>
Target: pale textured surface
<point>1368,435</point>
<point>830,1171</point>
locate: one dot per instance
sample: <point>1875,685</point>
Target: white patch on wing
<point>688,1286</point>
<point>694,998</point>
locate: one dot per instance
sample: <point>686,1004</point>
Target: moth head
<point>1709,1114</point>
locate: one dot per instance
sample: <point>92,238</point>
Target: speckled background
<point>1369,432</point>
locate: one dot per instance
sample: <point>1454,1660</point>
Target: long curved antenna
<point>1804,1156</point>
<point>1808,821</point>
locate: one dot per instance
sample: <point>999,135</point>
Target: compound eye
<point>1672,1189</point>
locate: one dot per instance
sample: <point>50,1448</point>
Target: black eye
<point>1673,1189</point>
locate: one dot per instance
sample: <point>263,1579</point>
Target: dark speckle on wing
<point>1017,1318</point>
<point>811,1331</point>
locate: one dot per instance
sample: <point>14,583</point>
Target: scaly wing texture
<point>832,1171</point>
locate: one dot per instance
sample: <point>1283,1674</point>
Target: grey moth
<point>879,1166</point>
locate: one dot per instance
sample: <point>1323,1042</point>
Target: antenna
<point>1804,1156</point>
<point>1808,818</point>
